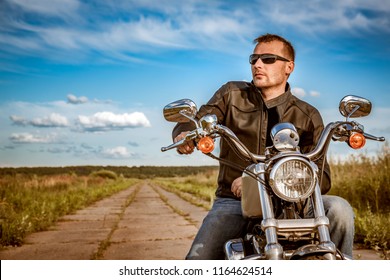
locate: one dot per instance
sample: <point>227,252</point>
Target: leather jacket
<point>240,107</point>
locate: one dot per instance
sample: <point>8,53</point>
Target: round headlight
<point>292,179</point>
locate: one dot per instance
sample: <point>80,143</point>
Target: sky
<point>85,82</point>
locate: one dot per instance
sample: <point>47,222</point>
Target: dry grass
<point>30,203</point>
<point>365,182</point>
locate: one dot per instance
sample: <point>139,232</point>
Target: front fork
<point>273,250</point>
<point>322,221</point>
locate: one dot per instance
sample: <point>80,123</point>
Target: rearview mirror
<point>354,106</point>
<point>182,110</point>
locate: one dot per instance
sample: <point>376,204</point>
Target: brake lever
<point>172,146</point>
<point>372,137</point>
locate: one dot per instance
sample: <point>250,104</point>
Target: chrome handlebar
<point>328,133</point>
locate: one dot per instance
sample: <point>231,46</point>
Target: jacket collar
<point>279,101</point>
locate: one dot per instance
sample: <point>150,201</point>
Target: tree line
<point>140,172</point>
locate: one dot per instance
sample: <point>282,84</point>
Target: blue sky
<point>85,82</point>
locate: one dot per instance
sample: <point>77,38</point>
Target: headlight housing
<point>285,137</point>
<point>292,179</point>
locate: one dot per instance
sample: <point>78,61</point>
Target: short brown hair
<point>266,38</point>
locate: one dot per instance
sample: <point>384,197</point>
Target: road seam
<point>106,243</point>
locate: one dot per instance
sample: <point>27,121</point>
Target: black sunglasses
<point>265,58</point>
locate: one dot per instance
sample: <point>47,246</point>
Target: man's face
<point>271,76</point>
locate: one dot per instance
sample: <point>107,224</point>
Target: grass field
<point>365,183</point>
<point>30,203</point>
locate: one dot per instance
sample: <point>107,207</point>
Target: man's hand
<point>188,147</point>
<point>236,187</point>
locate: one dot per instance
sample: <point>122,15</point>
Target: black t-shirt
<point>273,119</point>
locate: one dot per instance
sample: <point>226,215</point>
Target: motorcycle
<point>278,185</point>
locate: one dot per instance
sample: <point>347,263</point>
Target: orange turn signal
<point>357,140</point>
<point>206,145</point>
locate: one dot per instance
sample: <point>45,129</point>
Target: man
<point>250,110</point>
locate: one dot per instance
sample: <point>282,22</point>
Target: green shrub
<point>107,174</point>
<point>373,231</point>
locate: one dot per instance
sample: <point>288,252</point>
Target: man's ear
<point>290,67</point>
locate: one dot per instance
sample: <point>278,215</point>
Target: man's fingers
<point>186,148</point>
<point>236,187</point>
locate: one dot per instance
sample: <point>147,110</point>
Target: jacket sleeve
<point>216,105</point>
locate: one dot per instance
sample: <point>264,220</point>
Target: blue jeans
<point>225,221</point>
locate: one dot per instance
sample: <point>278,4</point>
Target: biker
<point>250,110</point>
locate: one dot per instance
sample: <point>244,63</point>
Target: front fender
<point>313,251</point>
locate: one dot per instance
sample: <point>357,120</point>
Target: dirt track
<point>143,222</point>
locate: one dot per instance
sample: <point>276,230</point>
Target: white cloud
<point>29,138</point>
<point>17,120</point>
<point>53,120</point>
<point>105,121</point>
<point>119,152</point>
<point>298,92</point>
<point>187,25</point>
<point>76,100</point>
<point>150,31</point>
<point>301,93</point>
<point>87,28</point>
<point>315,16</point>
<point>314,93</point>
<point>48,7</point>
